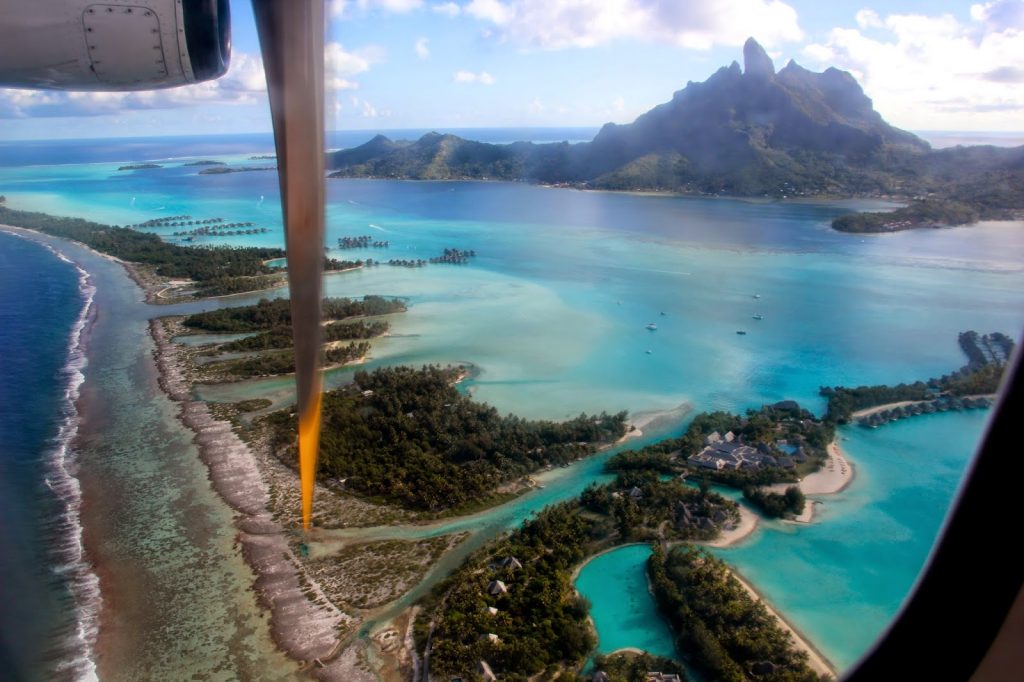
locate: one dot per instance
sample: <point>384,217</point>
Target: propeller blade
<point>292,42</point>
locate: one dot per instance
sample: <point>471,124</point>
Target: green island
<point>968,387</point>
<point>214,270</point>
<point>269,348</point>
<point>272,314</point>
<point>775,444</point>
<point>511,608</point>
<point>224,170</point>
<point>727,635</point>
<point>408,437</point>
<point>279,362</point>
<point>926,213</point>
<point>139,166</point>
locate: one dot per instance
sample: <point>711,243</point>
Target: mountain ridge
<point>747,131</point>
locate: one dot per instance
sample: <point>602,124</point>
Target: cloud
<point>422,50</point>
<point>1000,15</point>
<point>490,10</point>
<point>483,77</point>
<point>340,65</point>
<point>450,9</point>
<point>868,18</point>
<point>559,24</point>
<point>364,109</point>
<point>339,9</point>
<point>1005,74</point>
<point>244,83</point>
<point>936,72</point>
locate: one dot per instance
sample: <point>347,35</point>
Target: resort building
<point>497,587</point>
<point>511,563</point>
<point>728,453</point>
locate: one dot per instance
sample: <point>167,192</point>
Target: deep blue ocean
<point>41,303</point>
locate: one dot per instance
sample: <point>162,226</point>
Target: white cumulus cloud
<point>450,9</point>
<point>483,77</point>
<point>936,72</point>
<point>339,9</point>
<point>244,83</point>
<point>557,24</point>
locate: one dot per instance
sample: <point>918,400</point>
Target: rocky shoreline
<point>304,622</point>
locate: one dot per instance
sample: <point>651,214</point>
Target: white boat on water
<point>652,326</point>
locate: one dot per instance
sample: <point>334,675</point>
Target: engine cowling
<point>112,45</point>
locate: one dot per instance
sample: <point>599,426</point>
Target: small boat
<point>648,351</point>
<point>663,313</point>
<point>652,326</point>
<point>757,295</point>
<point>758,317</point>
<point>741,332</point>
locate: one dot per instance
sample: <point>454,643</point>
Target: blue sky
<point>938,65</point>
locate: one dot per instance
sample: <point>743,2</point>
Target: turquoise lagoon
<point>623,611</point>
<point>552,316</point>
<point>838,580</point>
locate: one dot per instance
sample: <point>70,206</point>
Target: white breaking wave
<point>377,227</point>
<point>76,650</point>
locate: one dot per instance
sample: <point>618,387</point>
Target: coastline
<point>312,633</point>
<point>749,521</point>
<point>817,660</point>
<point>307,633</point>
<point>835,475</point>
<point>67,536</point>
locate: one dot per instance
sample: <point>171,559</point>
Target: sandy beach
<point>834,476</point>
<point>868,411</point>
<point>746,526</point>
<point>816,659</point>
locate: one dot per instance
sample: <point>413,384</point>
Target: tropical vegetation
<point>409,437</point>
<point>725,633</point>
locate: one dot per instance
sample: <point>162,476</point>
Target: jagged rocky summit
<point>747,131</point>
